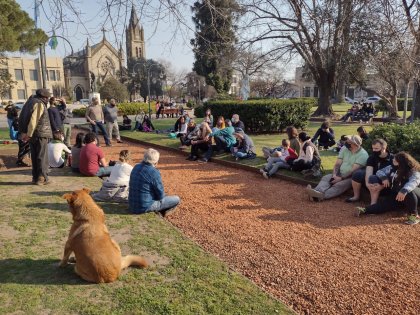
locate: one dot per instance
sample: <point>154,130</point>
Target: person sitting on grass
<point>181,128</point>
<point>308,152</point>
<point>202,143</point>
<point>379,159</point>
<point>192,133</point>
<point>341,143</point>
<point>237,123</point>
<point>209,116</point>
<point>115,187</point>
<point>220,124</point>
<point>326,136</point>
<point>285,159</point>
<point>245,148</point>
<point>92,160</point>
<point>126,124</point>
<point>350,159</point>
<point>139,119</point>
<point>146,192</point>
<point>147,125</point>
<point>57,151</point>
<point>361,131</point>
<point>224,138</point>
<point>401,180</point>
<point>75,152</point>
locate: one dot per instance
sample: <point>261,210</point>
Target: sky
<point>164,40</point>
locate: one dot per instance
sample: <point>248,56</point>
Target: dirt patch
<point>316,257</point>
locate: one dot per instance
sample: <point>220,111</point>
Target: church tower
<point>135,37</point>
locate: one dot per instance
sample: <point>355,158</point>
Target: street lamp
<point>148,80</point>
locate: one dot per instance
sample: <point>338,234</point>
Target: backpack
<point>316,170</point>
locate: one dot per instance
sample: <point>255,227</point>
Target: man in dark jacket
<point>146,192</point>
<point>326,136</point>
<point>35,127</point>
<point>54,115</point>
<point>65,115</point>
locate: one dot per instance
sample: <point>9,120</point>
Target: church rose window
<point>106,66</point>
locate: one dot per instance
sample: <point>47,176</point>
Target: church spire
<point>135,37</point>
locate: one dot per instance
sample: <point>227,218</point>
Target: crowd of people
<point>392,180</point>
<point>360,112</point>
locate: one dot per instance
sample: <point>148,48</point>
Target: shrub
<point>263,115</point>
<point>123,109</point>
<point>399,137</point>
<point>400,103</point>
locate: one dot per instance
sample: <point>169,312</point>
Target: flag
<point>53,42</point>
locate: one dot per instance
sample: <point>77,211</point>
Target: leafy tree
<point>6,83</point>
<point>112,88</point>
<point>18,32</point>
<point>138,68</point>
<point>214,41</point>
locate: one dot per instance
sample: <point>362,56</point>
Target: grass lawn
<point>183,279</point>
<point>269,140</point>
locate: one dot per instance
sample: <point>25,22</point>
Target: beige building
<point>27,73</point>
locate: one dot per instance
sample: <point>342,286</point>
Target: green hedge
<point>123,109</point>
<point>398,136</point>
<point>263,115</point>
<point>400,103</point>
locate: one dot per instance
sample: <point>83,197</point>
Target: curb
<point>295,180</point>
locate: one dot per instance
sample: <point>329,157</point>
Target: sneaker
<point>192,158</point>
<point>266,176</point>
<point>164,213</point>
<point>21,163</point>
<point>312,193</point>
<point>351,199</point>
<point>263,170</point>
<point>360,211</point>
<point>119,141</point>
<point>412,219</point>
<point>203,160</point>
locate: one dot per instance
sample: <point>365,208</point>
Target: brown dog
<point>98,257</point>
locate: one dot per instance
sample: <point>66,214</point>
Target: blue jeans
<point>10,122</point>
<point>166,203</point>
<point>101,127</point>
<point>104,171</point>
<point>240,154</point>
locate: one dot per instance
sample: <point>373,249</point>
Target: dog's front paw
<point>62,264</point>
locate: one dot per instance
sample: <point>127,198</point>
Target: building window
<point>315,91</point>
<point>21,94</point>
<point>306,91</point>
<point>58,75</point>
<point>33,92</point>
<point>234,80</point>
<point>33,75</point>
<point>19,74</point>
<point>137,52</point>
<point>52,76</point>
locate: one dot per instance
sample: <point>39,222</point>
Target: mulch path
<point>316,257</point>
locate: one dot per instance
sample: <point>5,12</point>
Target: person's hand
<point>25,137</point>
<point>400,196</point>
<point>193,142</point>
<point>336,179</point>
<point>93,123</point>
<point>386,183</point>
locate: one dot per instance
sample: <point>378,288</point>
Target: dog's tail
<point>133,260</point>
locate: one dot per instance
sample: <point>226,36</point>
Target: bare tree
<point>313,29</point>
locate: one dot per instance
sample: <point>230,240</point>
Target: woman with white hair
<point>146,192</point>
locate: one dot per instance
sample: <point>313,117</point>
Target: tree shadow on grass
<point>108,208</point>
<point>50,193</point>
<point>38,272</point>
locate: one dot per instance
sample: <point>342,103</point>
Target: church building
<point>87,69</point>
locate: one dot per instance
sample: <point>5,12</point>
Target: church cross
<point>103,31</point>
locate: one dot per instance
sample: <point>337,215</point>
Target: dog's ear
<point>68,197</point>
<point>87,190</point>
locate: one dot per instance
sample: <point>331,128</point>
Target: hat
<point>43,92</point>
<point>355,139</point>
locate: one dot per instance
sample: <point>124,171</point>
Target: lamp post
<point>148,81</point>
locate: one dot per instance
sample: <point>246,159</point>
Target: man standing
<point>351,158</point>
<point>146,192</point>
<point>35,127</point>
<point>65,115</point>
<point>55,118</point>
<point>111,119</point>
<point>95,116</point>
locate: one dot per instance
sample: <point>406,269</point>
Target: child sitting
<point>286,158</point>
<point>57,151</point>
<point>245,148</point>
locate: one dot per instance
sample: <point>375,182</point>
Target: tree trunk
<point>393,109</point>
<point>324,100</point>
<point>415,110</point>
<point>341,91</point>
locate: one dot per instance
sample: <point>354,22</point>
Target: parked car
<point>373,99</point>
<point>84,101</point>
<point>19,105</point>
<point>349,100</point>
